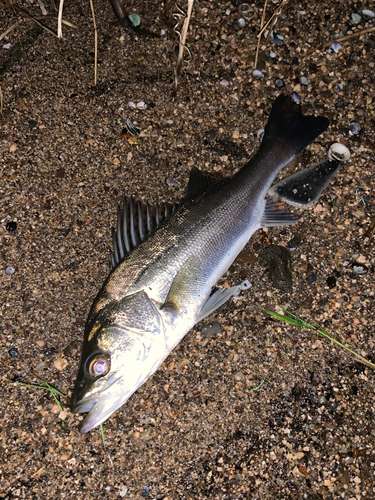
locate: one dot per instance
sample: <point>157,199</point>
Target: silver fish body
<point>161,287</point>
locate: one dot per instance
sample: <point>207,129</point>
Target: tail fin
<point>287,124</point>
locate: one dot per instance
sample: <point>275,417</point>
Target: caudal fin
<point>287,125</point>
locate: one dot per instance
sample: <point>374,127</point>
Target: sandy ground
<point>197,428</point>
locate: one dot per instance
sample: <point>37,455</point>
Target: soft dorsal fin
<point>135,221</point>
<point>198,182</point>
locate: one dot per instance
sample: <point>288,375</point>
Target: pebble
<point>224,82</point>
<point>279,83</point>
<point>236,134</point>
<point>312,278</point>
<point>257,74</point>
<point>13,352</point>
<point>123,491</point>
<point>170,181</point>
<point>367,14</point>
<point>304,81</point>
<point>239,376</point>
<point>145,491</point>
<point>354,128</point>
<point>276,259</point>
<point>355,18</point>
<point>11,227</point>
<point>10,270</point>
<point>141,105</point>
<point>241,23</point>
<point>60,364</point>
<point>273,54</point>
<point>211,329</point>
<point>295,97</point>
<point>331,281</point>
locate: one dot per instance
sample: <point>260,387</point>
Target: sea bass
<point>165,264</point>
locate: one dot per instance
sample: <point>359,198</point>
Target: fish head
<point>123,347</point>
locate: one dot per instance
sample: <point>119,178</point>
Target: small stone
<point>60,364</point>
<point>123,491</point>
<point>170,181</point>
<point>211,329</point>
<point>236,134</point>
<point>145,491</point>
<point>312,278</point>
<point>279,83</point>
<point>257,74</point>
<point>295,97</point>
<point>354,128</point>
<point>13,352</point>
<point>241,23</point>
<point>10,270</point>
<point>331,281</point>
<point>304,81</point>
<point>11,227</point>
<point>239,376</point>
<point>368,14</point>
<point>355,18</point>
<point>224,82</point>
<point>141,105</point>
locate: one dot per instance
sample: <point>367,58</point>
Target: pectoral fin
<point>187,280</point>
<point>219,298</point>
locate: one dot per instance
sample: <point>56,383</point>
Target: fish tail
<point>288,127</point>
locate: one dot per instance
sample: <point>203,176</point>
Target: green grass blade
<point>48,388</point>
<point>297,321</point>
<point>103,436</point>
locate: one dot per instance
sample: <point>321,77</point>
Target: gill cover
<point>122,346</point>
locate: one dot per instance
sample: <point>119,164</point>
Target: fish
<point>166,261</point>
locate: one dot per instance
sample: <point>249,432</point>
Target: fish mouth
<point>100,406</point>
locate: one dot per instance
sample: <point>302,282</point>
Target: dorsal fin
<point>135,221</point>
<point>198,182</point>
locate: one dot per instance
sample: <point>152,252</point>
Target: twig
<point>259,38</point>
<point>96,43</point>
<point>1,101</point>
<point>274,15</point>
<point>35,20</point>
<point>263,27</point>
<point>342,39</point>
<point>59,19</point>
<point>11,28</point>
<point>181,45</point>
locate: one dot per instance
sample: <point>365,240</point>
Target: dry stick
<point>275,14</point>
<point>259,38</point>
<point>3,35</point>
<point>96,43</point>
<point>35,20</point>
<point>181,45</point>
<point>342,39</point>
<point>59,19</point>
<point>1,101</point>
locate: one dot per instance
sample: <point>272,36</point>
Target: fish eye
<point>99,365</point>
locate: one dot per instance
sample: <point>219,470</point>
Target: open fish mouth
<point>99,411</point>
<point>100,406</point>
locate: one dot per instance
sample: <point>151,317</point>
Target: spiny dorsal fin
<point>135,221</point>
<point>198,182</point>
